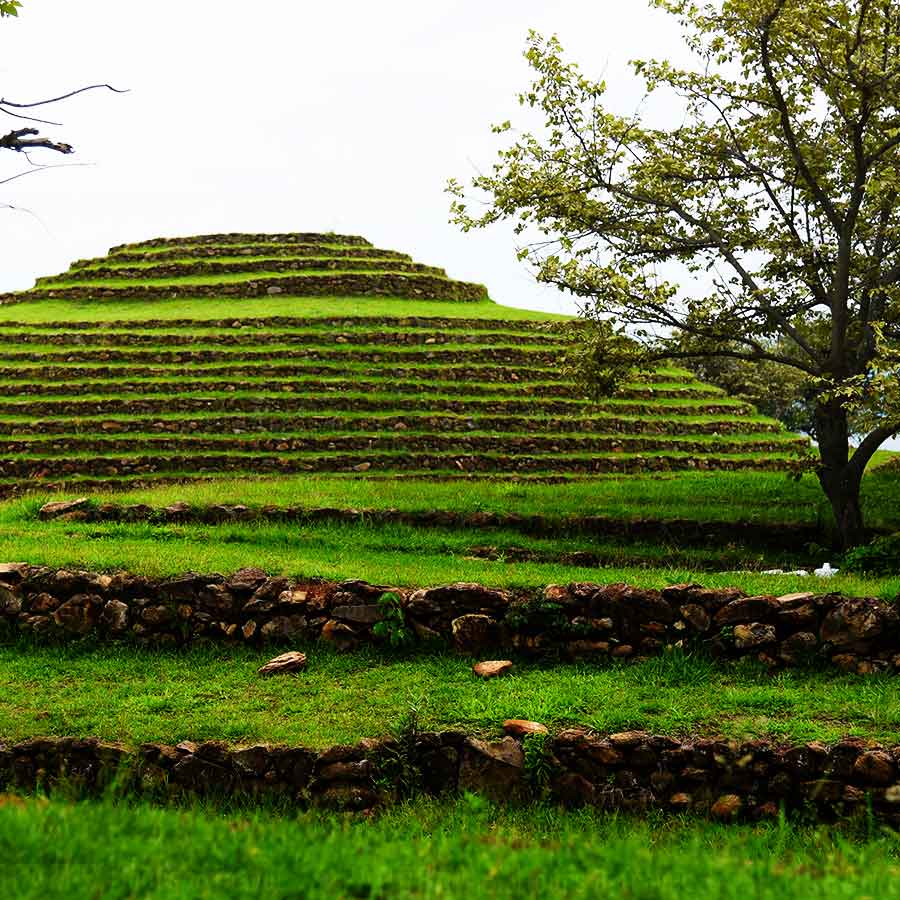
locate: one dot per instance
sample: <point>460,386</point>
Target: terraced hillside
<point>291,353</point>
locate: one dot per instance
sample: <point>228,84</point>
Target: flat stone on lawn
<point>293,661</point>
<point>521,727</point>
<point>492,668</point>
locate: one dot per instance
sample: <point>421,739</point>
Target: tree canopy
<point>762,227</point>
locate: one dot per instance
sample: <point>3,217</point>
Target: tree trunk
<point>840,478</point>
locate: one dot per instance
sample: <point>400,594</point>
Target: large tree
<point>764,226</point>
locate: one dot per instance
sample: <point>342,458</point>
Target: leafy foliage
<point>763,228</point>
<point>9,7</point>
<point>392,627</point>
<point>879,557</point>
<point>774,390</point>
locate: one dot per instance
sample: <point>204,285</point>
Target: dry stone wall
<point>679,531</point>
<point>579,621</point>
<point>381,284</point>
<point>418,443</point>
<point>241,424</point>
<point>184,269</point>
<point>276,339</point>
<point>399,322</point>
<point>237,237</point>
<point>266,251</point>
<point>114,466</point>
<point>474,406</point>
<point>631,771</point>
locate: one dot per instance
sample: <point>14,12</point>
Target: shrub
<point>880,557</point>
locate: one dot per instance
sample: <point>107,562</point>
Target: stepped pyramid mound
<point>291,353</point>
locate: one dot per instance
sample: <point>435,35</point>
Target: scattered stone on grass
<point>492,668</point>
<point>293,661</point>
<point>521,727</point>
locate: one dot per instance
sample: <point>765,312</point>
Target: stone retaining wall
<point>203,267</point>
<point>682,532</point>
<point>236,237</point>
<point>402,322</point>
<point>388,441</point>
<point>473,406</point>
<point>241,424</point>
<point>258,250</point>
<point>588,621</point>
<point>187,385</point>
<point>312,338</point>
<point>386,284</point>
<point>630,771</point>
<point>495,355</point>
<point>49,467</point>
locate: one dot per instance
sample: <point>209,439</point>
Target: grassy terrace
<point>238,308</point>
<point>127,694</point>
<point>722,497</point>
<point>407,555</point>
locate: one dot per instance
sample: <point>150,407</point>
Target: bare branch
<point>21,140</point>
<point>786,126</point>
<point>90,87</point>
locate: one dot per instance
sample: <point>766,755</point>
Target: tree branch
<point>866,450</point>
<point>90,87</point>
<point>787,129</point>
<point>20,140</point>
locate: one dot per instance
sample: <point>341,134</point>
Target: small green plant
<point>392,627</point>
<point>538,616</point>
<point>397,765</point>
<point>726,634</point>
<point>540,763</point>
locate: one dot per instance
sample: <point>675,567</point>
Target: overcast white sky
<point>277,116</point>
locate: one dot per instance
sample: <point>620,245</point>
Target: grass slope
<point>132,695</point>
<point>396,356</point>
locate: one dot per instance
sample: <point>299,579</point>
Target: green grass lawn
<point>386,554</point>
<point>699,496</point>
<point>245,307</point>
<point>413,556</point>
<point>130,694</point>
<point>465,848</point>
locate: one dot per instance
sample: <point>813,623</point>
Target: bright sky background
<point>277,116</point>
